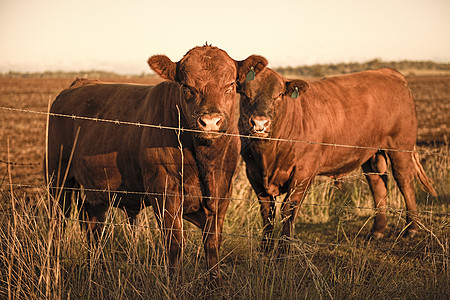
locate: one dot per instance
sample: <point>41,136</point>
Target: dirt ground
<point>432,96</point>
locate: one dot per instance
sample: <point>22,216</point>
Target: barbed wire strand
<point>165,194</point>
<point>19,164</point>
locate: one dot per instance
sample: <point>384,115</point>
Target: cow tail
<point>425,182</point>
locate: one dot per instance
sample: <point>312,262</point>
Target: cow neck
<point>288,120</point>
<point>179,109</point>
<point>317,114</point>
<point>178,115</point>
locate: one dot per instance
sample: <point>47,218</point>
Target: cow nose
<point>210,122</point>
<point>260,124</point>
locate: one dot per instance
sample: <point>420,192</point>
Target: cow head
<point>263,101</point>
<point>207,77</point>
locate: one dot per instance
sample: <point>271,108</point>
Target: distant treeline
<point>93,74</point>
<point>408,68</point>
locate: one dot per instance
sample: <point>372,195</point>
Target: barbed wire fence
<point>4,181</point>
<point>118,122</point>
<point>138,124</point>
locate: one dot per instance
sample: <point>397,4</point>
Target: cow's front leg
<point>267,204</point>
<point>169,215</point>
<point>173,232</point>
<point>290,208</point>
<point>212,238</point>
<point>267,209</point>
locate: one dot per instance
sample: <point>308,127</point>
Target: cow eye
<point>230,89</point>
<point>280,95</point>
<point>184,87</point>
<point>188,93</point>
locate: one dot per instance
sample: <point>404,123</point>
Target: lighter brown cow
<point>184,173</point>
<point>365,111</point>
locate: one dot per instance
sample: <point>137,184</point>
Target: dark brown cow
<point>372,109</point>
<point>186,175</point>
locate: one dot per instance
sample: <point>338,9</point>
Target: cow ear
<point>250,67</point>
<point>163,66</point>
<point>296,87</point>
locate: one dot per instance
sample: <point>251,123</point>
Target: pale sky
<point>119,36</point>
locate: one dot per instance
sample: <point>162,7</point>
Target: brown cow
<point>372,109</point>
<point>186,174</point>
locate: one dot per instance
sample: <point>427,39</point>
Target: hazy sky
<point>38,35</point>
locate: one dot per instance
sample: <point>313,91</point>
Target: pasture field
<point>330,257</point>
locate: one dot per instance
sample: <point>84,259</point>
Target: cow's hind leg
<point>60,203</point>
<point>403,171</point>
<point>377,178</point>
<point>70,192</point>
<point>61,189</point>
<point>62,195</point>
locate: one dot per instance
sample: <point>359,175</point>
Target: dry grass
<point>329,257</point>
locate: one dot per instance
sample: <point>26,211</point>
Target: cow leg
<point>267,209</point>
<point>63,195</point>
<point>377,182</point>
<point>92,217</point>
<point>60,190</point>
<point>403,171</point>
<point>197,218</point>
<point>169,217</point>
<point>212,238</point>
<point>60,201</point>
<point>172,229</point>
<point>131,215</point>
<point>268,215</point>
<point>290,208</point>
<point>211,241</point>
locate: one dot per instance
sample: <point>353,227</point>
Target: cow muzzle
<point>260,126</point>
<point>211,124</point>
